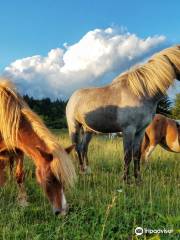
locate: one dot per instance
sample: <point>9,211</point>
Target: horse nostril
<point>56,211</point>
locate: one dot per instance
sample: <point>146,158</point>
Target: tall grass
<point>101,206</point>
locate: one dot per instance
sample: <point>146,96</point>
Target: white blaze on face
<point>64,202</point>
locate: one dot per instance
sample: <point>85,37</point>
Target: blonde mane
<point>12,107</point>
<point>155,76</point>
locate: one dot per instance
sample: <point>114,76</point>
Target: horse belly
<point>103,122</point>
<point>173,137</point>
<point>171,145</point>
<point>175,145</point>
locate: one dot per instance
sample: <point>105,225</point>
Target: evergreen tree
<point>52,112</point>
<point>164,106</point>
<point>176,108</point>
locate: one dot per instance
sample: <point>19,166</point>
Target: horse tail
<point>74,129</point>
<point>10,113</point>
<point>74,126</point>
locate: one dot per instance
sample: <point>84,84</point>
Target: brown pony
<point>163,131</point>
<point>22,131</point>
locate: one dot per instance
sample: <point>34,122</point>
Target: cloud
<point>96,59</point>
<point>173,90</point>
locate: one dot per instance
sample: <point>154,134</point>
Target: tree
<point>52,112</point>
<point>176,108</point>
<point>164,106</point>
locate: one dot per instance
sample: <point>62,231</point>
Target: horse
<point>22,129</point>
<point>163,131</point>
<point>126,105</point>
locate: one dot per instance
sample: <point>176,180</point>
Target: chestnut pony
<point>22,131</point>
<point>163,131</point>
<point>128,105</point>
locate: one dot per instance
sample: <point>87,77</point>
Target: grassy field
<point>101,206</point>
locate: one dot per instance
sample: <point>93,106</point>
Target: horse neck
<point>29,142</point>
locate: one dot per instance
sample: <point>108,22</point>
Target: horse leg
<point>144,148</point>
<point>149,151</point>
<point>74,132</point>
<point>128,138</point>
<point>137,154</point>
<point>148,146</point>
<point>11,166</point>
<point>20,177</point>
<point>2,172</point>
<point>153,137</point>
<point>84,150</point>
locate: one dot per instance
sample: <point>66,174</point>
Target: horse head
<point>52,185</point>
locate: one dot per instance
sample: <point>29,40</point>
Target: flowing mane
<point>154,76</point>
<point>12,108</point>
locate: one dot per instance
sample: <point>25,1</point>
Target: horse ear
<point>47,156</point>
<point>70,148</point>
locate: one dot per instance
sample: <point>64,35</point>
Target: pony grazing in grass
<point>126,105</point>
<point>22,131</point>
<point>163,131</point>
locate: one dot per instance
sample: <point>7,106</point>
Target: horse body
<point>163,131</point>
<point>126,105</point>
<point>22,129</point>
<point>111,106</point>
<point>108,110</point>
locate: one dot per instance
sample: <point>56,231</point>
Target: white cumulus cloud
<point>96,59</point>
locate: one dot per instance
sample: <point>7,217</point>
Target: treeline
<point>168,108</point>
<point>176,108</point>
<point>53,112</point>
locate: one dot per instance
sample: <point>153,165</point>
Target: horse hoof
<point>146,166</point>
<point>126,180</point>
<point>23,202</point>
<point>82,172</point>
<point>85,171</point>
<point>138,181</point>
<point>88,170</point>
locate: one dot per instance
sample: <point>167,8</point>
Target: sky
<point>51,48</point>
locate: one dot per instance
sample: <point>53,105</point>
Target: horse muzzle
<point>61,212</point>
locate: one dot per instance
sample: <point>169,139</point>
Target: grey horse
<point>128,104</point>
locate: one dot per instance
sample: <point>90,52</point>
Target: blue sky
<point>32,27</point>
<point>35,27</point>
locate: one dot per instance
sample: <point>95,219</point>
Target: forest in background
<point>53,112</point>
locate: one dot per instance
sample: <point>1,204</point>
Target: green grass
<point>97,209</point>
